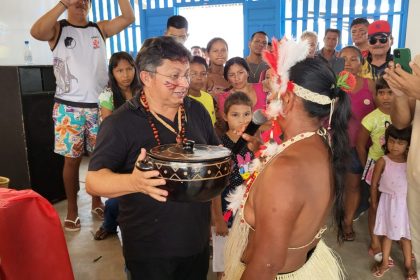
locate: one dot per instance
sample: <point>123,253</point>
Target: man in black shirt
<point>161,239</point>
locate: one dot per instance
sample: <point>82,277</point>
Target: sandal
<point>412,276</point>
<point>72,226</point>
<point>378,258</point>
<point>349,236</point>
<point>377,273</point>
<point>102,234</point>
<point>98,212</point>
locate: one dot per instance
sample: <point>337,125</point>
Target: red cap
<point>379,26</point>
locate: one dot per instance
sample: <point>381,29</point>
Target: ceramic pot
<point>193,172</point>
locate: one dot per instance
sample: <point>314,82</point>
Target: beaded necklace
<point>180,134</point>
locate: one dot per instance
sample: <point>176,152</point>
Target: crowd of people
<point>358,143</point>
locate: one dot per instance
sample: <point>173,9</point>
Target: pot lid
<point>189,152</point>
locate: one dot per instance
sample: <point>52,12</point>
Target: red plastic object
<point>32,243</point>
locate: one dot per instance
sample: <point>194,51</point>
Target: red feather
<point>271,57</point>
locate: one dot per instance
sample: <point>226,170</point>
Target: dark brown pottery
<point>193,172</point>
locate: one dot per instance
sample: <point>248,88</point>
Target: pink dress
<point>361,105</point>
<point>261,98</point>
<point>392,214</point>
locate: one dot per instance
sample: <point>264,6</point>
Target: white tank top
<point>80,65</point>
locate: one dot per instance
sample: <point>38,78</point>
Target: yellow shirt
<point>207,100</point>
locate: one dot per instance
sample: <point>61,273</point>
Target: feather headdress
<point>284,54</point>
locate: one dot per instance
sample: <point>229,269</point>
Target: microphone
<point>258,119</point>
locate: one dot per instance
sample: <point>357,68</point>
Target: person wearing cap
<point>380,41</point>
<point>359,35</point>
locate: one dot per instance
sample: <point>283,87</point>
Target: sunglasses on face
<point>374,40</point>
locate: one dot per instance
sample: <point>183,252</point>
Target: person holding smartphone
<point>406,111</point>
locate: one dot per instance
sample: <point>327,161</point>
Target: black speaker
<point>45,166</point>
<point>28,157</point>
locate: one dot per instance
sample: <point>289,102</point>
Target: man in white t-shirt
<point>80,68</point>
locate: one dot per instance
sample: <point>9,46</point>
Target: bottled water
<point>27,55</point>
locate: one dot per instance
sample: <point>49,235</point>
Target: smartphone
<point>338,65</point>
<point>403,58</point>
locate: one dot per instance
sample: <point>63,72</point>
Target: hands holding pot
<point>147,181</point>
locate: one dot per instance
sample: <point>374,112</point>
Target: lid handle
<point>145,165</point>
<point>188,146</point>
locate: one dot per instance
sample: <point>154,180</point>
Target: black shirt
<point>151,228</point>
<point>235,178</point>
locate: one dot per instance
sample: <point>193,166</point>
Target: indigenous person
<point>122,86</point>
<point>373,130</point>
<point>283,236</point>
<point>237,72</point>
<point>406,111</point>
<point>238,113</point>
<point>198,75</point>
<point>362,103</point>
<point>161,239</point>
<point>177,27</point>
<point>217,52</point>
<point>359,35</point>
<point>390,178</point>
<point>257,65</point>
<point>79,52</point>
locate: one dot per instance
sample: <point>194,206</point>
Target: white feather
<point>274,108</point>
<point>235,198</point>
<point>290,52</point>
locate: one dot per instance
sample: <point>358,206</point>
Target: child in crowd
<point>373,128</point>
<point>390,178</point>
<point>198,74</point>
<point>217,53</point>
<point>362,103</point>
<point>238,113</point>
<point>122,86</point>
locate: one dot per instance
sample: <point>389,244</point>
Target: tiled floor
<point>102,260</point>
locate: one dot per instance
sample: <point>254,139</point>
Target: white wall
<point>412,40</point>
<point>16,19</point>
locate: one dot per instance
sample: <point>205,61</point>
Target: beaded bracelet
<point>65,6</point>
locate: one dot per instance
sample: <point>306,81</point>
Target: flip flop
<point>98,212</point>
<point>412,276</point>
<point>378,258</point>
<point>349,236</point>
<point>75,225</point>
<point>377,273</point>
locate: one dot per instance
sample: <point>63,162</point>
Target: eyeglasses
<point>175,78</point>
<point>373,40</point>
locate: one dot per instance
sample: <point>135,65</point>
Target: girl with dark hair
<point>236,71</point>
<point>362,103</point>
<point>217,52</point>
<point>390,179</point>
<point>238,113</point>
<point>287,200</point>
<point>122,85</point>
